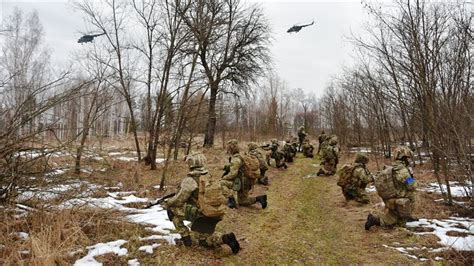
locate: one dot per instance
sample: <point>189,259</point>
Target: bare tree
<point>110,18</point>
<point>232,43</point>
<point>27,95</point>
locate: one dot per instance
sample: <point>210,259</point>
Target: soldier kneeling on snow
<point>396,186</point>
<point>200,201</point>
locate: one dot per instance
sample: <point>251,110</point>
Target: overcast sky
<point>307,60</point>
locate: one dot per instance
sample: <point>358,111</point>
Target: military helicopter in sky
<point>88,38</point>
<point>297,28</point>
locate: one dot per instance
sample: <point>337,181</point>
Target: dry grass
<point>307,222</point>
<point>56,236</point>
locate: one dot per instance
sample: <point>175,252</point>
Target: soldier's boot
<point>262,200</point>
<point>231,203</point>
<point>231,241</point>
<point>186,241</point>
<point>263,181</point>
<point>320,172</point>
<point>371,221</point>
<point>285,166</point>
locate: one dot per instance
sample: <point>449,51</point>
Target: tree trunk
<point>212,119</point>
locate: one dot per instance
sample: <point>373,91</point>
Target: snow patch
<point>133,262</point>
<point>149,248</point>
<point>101,249</point>
<point>457,189</point>
<point>361,149</point>
<point>465,226</point>
<point>23,235</point>
<point>56,172</point>
<point>50,193</point>
<point>370,189</point>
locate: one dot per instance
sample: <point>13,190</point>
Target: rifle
<point>159,201</point>
<point>226,170</point>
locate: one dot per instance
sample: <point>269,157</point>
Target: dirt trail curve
<point>307,222</point>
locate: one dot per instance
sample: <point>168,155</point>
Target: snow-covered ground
<point>53,192</point>
<point>463,228</point>
<point>370,189</point>
<point>101,249</point>
<point>361,149</point>
<point>155,218</point>
<point>457,189</point>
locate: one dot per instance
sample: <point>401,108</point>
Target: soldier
<point>183,206</point>
<point>307,149</point>
<point>353,179</point>
<point>398,208</point>
<point>321,138</point>
<point>277,154</point>
<point>289,151</point>
<point>301,136</point>
<point>233,181</point>
<point>329,157</point>
<point>294,143</point>
<point>255,151</point>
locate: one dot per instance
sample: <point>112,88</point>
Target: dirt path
<point>307,222</point>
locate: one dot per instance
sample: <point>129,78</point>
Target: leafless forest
<point>193,74</point>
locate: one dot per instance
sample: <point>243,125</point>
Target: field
<point>63,217</point>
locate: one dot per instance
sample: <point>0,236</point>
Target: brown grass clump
<point>58,237</point>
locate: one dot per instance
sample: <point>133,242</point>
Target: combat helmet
<point>274,141</point>
<point>361,158</point>
<point>402,151</point>
<point>196,163</point>
<point>252,146</point>
<point>232,146</point>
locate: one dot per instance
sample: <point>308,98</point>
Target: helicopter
<point>297,28</point>
<point>88,38</point>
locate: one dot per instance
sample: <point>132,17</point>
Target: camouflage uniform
<point>235,182</point>
<point>358,181</point>
<point>258,153</point>
<point>398,210</point>
<point>294,143</point>
<point>329,157</point>
<point>307,149</point>
<point>184,206</point>
<point>289,151</point>
<point>321,139</point>
<point>277,154</point>
<point>301,136</point>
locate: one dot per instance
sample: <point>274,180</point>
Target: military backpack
<point>212,202</point>
<point>345,175</point>
<point>251,166</point>
<point>385,184</point>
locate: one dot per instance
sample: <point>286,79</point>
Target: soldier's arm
<point>235,164</point>
<point>188,185</point>
<point>363,175</point>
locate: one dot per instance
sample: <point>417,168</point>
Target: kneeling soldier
<point>185,206</point>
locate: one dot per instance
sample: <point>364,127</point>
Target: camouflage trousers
<point>354,193</point>
<point>396,214</point>
<point>209,240</point>
<point>227,188</point>
<point>242,196</point>
<point>244,199</point>
<point>308,152</point>
<point>279,159</point>
<point>328,167</point>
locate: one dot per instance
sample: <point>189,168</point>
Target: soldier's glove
<point>226,169</point>
<point>170,214</point>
